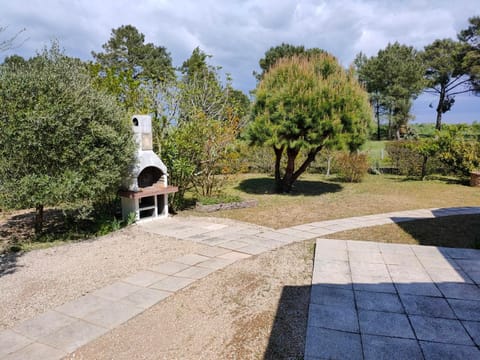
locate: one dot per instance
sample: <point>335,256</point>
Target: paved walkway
<point>391,301</point>
<point>62,330</point>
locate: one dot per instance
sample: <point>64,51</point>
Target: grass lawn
<point>317,198</point>
<point>450,231</point>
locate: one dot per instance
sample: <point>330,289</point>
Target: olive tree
<point>307,103</point>
<point>62,142</point>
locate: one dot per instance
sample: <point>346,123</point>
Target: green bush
<point>351,167</point>
<point>405,158</point>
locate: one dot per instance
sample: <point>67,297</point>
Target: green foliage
<point>445,73</point>
<point>62,142</point>
<point>306,103</point>
<point>393,78</point>
<point>282,51</point>
<point>471,37</point>
<point>201,125</point>
<point>351,167</point>
<point>132,70</point>
<point>410,158</point>
<point>458,151</point>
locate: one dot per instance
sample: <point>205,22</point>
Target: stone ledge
<point>226,206</point>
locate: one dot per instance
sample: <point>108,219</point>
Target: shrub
<point>351,167</point>
<point>405,158</point>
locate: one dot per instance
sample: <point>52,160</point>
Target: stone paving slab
<point>416,303</point>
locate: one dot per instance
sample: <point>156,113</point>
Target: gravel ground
<point>39,280</point>
<point>254,309</point>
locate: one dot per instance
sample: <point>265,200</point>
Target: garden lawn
<point>317,198</point>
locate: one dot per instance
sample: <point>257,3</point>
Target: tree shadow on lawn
<point>266,185</point>
<point>456,231</point>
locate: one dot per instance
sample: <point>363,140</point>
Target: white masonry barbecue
<point>146,191</point>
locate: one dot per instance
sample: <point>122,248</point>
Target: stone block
<point>387,348</point>
<point>440,330</point>
<point>333,317</point>
<point>332,344</point>
<point>386,324</point>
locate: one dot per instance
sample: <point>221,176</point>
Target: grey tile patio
<point>333,317</point>
<point>11,341</point>
<point>43,324</point>
<point>337,280</point>
<point>73,336</point>
<point>385,323</point>
<point>460,291</point>
<point>436,351</point>
<point>440,330</point>
<point>473,328</point>
<point>420,288</point>
<point>377,301</point>
<point>144,278</point>
<point>427,306</point>
<point>172,283</point>
<point>466,309</point>
<point>212,251</point>
<point>191,259</point>
<point>116,291</point>
<point>387,348</point>
<point>82,306</point>
<point>253,249</point>
<point>332,344</point>
<point>326,295</point>
<point>216,263</point>
<point>169,267</point>
<point>233,244</point>
<point>36,351</point>
<point>332,266</point>
<point>195,272</point>
<point>145,298</point>
<point>234,255</point>
<point>113,315</point>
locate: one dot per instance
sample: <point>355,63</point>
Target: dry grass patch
<point>317,198</point>
<point>461,231</point>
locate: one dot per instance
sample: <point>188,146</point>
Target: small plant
<point>351,167</point>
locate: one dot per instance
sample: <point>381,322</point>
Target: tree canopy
<point>446,73</point>
<point>306,103</point>
<point>393,78</point>
<point>62,142</point>
<point>283,50</point>
<point>471,37</point>
<point>132,70</point>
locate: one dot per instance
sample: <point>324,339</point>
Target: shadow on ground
<point>287,339</point>
<point>266,185</point>
<point>385,319</point>
<point>459,231</point>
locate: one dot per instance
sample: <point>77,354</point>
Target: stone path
<point>62,330</point>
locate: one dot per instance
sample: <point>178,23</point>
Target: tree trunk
<point>278,178</point>
<point>438,124</point>
<point>288,178</point>
<point>290,175</point>
<point>329,165</point>
<point>38,219</point>
<point>424,167</point>
<point>377,114</point>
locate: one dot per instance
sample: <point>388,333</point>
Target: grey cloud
<point>237,33</point>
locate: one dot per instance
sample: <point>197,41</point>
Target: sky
<point>238,32</point>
